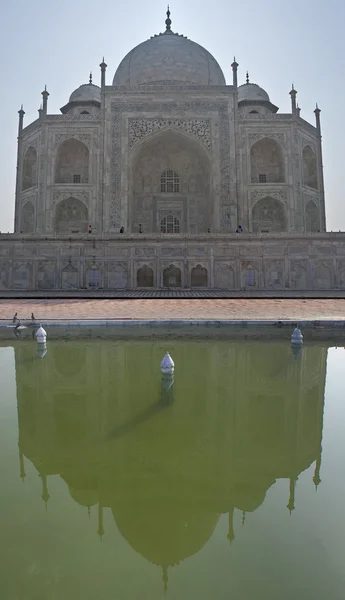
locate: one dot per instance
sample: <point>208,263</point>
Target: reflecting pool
<point>118,484</point>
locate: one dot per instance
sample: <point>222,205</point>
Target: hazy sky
<point>57,44</point>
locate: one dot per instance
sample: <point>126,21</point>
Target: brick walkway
<point>242,309</point>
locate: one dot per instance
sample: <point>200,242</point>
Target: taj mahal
<point>167,176</point>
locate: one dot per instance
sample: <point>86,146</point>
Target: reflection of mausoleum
<point>176,159</point>
<point>94,415</point>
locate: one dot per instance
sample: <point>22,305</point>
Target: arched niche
<point>170,175</point>
<point>268,215</point>
<point>312,217</point>
<point>267,162</point>
<point>71,216</point>
<point>309,168</point>
<point>172,277</point>
<point>29,171</point>
<point>199,276</point>
<point>28,218</point>
<point>72,162</point>
<point>145,277</point>
<point>70,278</point>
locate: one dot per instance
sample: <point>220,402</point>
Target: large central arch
<point>179,159</point>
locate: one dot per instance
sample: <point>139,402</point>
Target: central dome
<point>169,57</point>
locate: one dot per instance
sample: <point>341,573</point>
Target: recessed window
<point>77,178</point>
<point>84,112</point>
<point>170,224</point>
<point>262,178</point>
<point>253,112</point>
<point>170,182</point>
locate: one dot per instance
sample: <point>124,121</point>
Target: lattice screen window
<point>262,178</point>
<point>170,224</point>
<point>77,178</point>
<point>170,182</point>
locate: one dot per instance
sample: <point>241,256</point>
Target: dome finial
<point>247,77</point>
<point>90,78</point>
<point>168,20</point>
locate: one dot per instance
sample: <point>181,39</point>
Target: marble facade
<point>176,159</point>
<point>253,262</point>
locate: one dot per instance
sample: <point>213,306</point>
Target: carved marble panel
<point>224,276</point>
<point>256,195</point>
<point>82,195</point>
<point>21,276</point>
<point>274,274</point>
<point>75,134</point>
<point>322,275</point>
<point>4,276</point>
<point>117,275</point>
<point>172,251</point>
<point>278,137</point>
<point>299,274</point>
<point>145,251</point>
<point>141,128</point>
<point>70,277</point>
<point>115,250</point>
<point>46,275</point>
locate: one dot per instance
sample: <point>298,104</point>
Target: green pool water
<point>226,482</point>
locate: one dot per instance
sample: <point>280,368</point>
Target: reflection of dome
<point>169,57</point>
<point>251,91</point>
<point>162,532</point>
<point>84,497</point>
<point>87,92</point>
<point>248,498</point>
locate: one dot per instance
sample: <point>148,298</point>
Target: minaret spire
<point>234,72</point>
<point>168,21</point>
<point>293,95</point>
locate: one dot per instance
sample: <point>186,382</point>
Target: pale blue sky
<point>57,44</point>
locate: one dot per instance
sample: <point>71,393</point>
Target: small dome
<point>169,57</point>
<point>87,92</point>
<point>251,91</point>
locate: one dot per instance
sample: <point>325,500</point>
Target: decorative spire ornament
<point>168,21</point>
<point>90,78</point>
<point>247,77</point>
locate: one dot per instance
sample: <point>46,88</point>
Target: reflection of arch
<point>172,277</point>
<point>29,173</point>
<point>267,162</point>
<point>312,217</point>
<point>309,168</point>
<point>28,218</point>
<point>170,224</point>
<point>199,276</point>
<point>170,182</point>
<point>72,162</point>
<point>145,277</point>
<point>268,214</point>
<point>71,216</point>
<point>180,166</point>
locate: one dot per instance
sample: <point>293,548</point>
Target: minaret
<point>21,464</point>
<point>102,224</point>
<point>316,478</point>
<point>291,505</point>
<point>45,95</point>
<point>317,112</point>
<point>293,95</point>
<point>103,66</point>
<point>234,73</point>
<point>231,535</point>
<point>100,521</point>
<point>45,494</point>
<point>21,114</point>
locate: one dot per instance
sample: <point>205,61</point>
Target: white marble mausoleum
<point>144,180</point>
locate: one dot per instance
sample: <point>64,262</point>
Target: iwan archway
<point>170,186</point>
